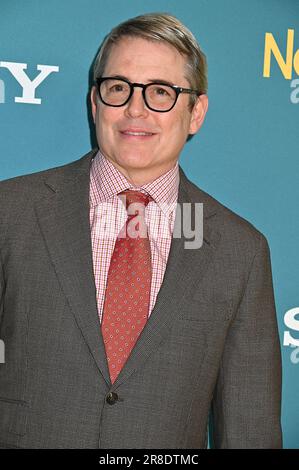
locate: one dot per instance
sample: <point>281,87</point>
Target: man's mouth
<point>137,133</point>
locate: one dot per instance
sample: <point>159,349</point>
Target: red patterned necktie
<point>128,285</point>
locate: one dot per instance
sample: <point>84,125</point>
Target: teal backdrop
<point>246,153</point>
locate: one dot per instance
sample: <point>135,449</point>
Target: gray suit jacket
<point>211,342</point>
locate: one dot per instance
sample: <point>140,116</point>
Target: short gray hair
<point>160,27</point>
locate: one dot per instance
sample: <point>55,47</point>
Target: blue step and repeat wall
<point>246,154</point>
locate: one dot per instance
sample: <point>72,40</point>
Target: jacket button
<point>111,398</point>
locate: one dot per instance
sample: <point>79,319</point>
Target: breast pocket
<point>207,310</point>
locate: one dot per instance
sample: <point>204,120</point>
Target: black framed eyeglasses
<point>160,97</point>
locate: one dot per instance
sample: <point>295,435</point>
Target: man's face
<point>143,158</point>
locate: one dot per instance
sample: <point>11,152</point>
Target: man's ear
<point>94,102</point>
<point>198,113</point>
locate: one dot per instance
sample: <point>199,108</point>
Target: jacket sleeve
<point>247,399</point>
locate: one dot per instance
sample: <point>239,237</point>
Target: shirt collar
<point>107,181</point>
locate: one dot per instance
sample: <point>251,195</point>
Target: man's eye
<point>161,92</point>
<point>116,88</point>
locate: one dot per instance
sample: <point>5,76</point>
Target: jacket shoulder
<point>32,185</point>
<point>19,194</point>
<point>230,224</point>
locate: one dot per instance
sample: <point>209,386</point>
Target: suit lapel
<point>185,268</point>
<point>64,221</point>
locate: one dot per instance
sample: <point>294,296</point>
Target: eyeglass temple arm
<point>187,90</point>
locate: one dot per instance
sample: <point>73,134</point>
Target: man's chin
<point>133,162</point>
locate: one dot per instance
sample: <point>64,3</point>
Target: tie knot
<point>132,196</point>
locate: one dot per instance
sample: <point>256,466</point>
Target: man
<point>126,341</point>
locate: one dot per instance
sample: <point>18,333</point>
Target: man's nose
<point>136,106</point>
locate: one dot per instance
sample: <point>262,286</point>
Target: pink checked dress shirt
<point>108,215</point>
